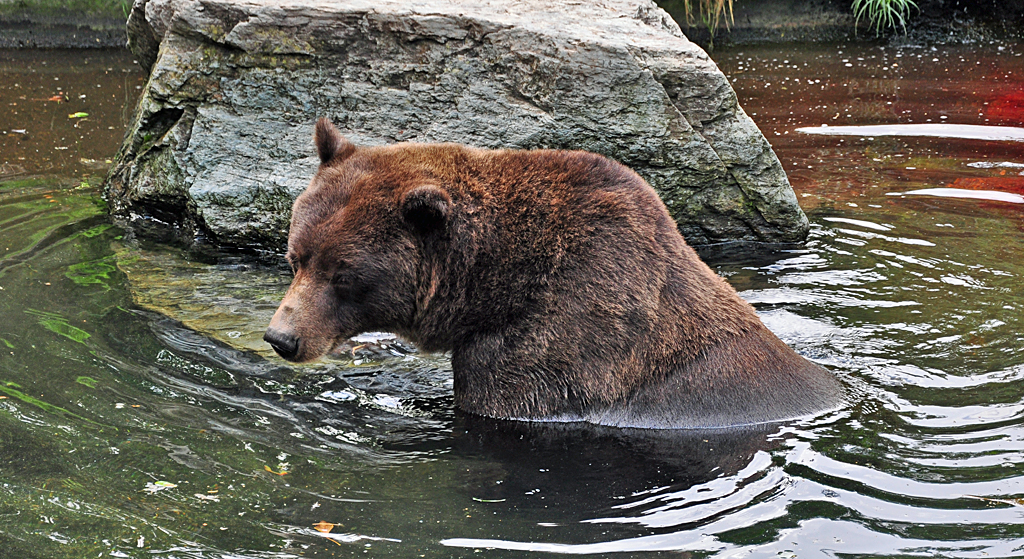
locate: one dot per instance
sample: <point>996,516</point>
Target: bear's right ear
<point>330,144</point>
<point>426,208</point>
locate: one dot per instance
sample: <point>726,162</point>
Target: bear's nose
<point>285,345</point>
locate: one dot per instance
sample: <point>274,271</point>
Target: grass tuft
<point>883,14</point>
<point>711,13</point>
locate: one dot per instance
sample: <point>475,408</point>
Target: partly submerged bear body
<point>557,279</point>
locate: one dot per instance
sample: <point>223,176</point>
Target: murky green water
<point>140,415</point>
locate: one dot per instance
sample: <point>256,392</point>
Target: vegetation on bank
<point>880,15</point>
<point>883,14</point>
<point>94,8</point>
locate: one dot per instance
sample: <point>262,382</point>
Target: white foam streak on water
<point>869,235</point>
<point>930,263</point>
<point>910,374</point>
<point>705,501</point>
<point>791,327</point>
<point>806,489</point>
<point>857,540</point>
<point>817,531</point>
<point>996,447</point>
<point>995,164</point>
<point>883,510</point>
<point>679,541</point>
<point>703,539</point>
<point>992,195</point>
<point>945,417</point>
<point>960,131</point>
<point>795,296</point>
<point>372,337</point>
<point>834,278</point>
<point>681,513</point>
<point>851,537</point>
<point>859,223</point>
<point>1007,460</point>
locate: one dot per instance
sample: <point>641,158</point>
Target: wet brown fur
<point>557,280</point>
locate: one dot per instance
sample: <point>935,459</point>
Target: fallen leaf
<point>324,527</point>
<point>1014,502</point>
<point>269,469</point>
<point>479,500</point>
<point>78,115</point>
<point>153,487</point>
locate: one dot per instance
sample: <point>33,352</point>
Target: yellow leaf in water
<point>269,469</point>
<point>1015,502</point>
<point>78,115</point>
<point>324,527</point>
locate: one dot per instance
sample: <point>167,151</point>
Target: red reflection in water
<point>1014,185</point>
<point>788,87</point>
<point>1007,108</point>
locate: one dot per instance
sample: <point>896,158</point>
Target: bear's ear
<point>426,208</point>
<point>330,143</point>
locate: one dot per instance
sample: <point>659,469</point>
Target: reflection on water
<point>63,111</point>
<point>993,195</point>
<point>141,416</point>
<point>958,131</point>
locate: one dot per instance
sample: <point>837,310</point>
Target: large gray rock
<point>220,141</point>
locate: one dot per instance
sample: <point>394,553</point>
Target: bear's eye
<point>342,277</point>
<point>295,261</point>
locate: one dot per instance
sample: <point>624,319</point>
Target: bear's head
<point>355,246</point>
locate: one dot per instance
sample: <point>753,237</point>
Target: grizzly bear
<point>556,279</point>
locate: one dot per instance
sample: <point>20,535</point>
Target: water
<point>141,416</point>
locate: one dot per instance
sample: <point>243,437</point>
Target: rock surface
<point>220,143</point>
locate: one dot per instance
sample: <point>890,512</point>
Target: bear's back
<point>578,299</point>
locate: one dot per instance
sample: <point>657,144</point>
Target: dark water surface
<point>140,415</point>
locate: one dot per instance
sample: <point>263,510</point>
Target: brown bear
<point>556,279</point>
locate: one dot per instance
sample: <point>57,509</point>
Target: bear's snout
<point>286,345</point>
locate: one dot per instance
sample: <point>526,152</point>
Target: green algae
<point>95,272</point>
<point>87,381</point>
<point>59,325</point>
<point>12,389</point>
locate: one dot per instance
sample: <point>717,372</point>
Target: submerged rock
<point>231,299</point>
<point>219,144</point>
<point>209,315</point>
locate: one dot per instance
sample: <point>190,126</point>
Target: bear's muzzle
<point>286,345</point>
